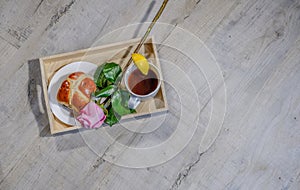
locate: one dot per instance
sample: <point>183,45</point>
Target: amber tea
<point>141,84</point>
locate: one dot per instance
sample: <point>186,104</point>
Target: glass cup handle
<point>133,102</point>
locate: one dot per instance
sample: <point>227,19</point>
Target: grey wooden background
<point>257,46</point>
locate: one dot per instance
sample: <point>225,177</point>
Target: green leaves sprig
<point>107,77</point>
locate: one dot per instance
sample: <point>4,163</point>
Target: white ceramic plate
<point>58,110</point>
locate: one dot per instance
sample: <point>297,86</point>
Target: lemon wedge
<point>141,62</point>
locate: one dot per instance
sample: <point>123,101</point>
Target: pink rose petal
<point>91,116</point>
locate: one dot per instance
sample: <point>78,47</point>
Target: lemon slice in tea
<point>141,62</point>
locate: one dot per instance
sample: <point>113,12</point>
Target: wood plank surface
<point>256,44</point>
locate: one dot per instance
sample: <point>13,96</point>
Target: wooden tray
<point>118,53</point>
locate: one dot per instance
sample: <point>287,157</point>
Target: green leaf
<point>111,71</point>
<point>125,98</point>
<point>107,74</point>
<point>133,111</point>
<point>120,102</point>
<point>98,72</point>
<point>105,92</point>
<point>111,117</point>
<point>119,78</point>
<point>99,77</point>
<point>106,77</point>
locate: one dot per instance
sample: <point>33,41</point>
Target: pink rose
<point>91,116</point>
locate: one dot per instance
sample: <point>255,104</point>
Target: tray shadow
<point>36,97</point>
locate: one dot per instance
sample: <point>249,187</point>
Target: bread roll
<point>75,92</point>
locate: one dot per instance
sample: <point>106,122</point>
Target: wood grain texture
<point>257,46</point>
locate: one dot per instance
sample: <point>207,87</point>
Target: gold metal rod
<point>161,9</point>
